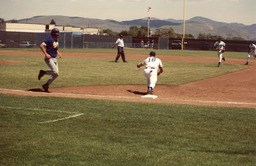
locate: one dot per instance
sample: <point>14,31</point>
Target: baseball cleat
<point>41,74</point>
<point>246,63</point>
<point>150,91</point>
<point>223,59</point>
<point>46,87</point>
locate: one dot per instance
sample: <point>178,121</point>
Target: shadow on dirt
<point>36,90</point>
<point>137,92</point>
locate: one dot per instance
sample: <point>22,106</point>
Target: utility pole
<point>148,20</point>
<point>183,36</point>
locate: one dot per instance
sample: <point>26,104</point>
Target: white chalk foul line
<point>48,110</point>
<point>126,97</point>
<point>215,102</point>
<point>98,96</point>
<point>56,120</point>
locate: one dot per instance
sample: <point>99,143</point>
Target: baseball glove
<point>138,65</point>
<point>224,49</point>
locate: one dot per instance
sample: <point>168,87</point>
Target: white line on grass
<point>56,120</point>
<point>48,110</point>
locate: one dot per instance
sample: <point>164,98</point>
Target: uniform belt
<point>150,68</point>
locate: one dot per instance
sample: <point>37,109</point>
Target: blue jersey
<point>51,47</point>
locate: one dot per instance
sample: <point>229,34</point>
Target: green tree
<point>124,33</point>
<point>208,36</point>
<point>110,32</point>
<point>143,31</point>
<point>235,38</point>
<point>53,22</point>
<point>189,36</point>
<point>133,31</point>
<point>2,21</point>
<point>165,32</point>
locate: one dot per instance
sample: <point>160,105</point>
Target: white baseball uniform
<point>152,64</point>
<point>120,42</point>
<point>252,51</point>
<point>219,45</point>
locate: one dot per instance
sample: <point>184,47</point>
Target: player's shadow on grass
<point>137,92</point>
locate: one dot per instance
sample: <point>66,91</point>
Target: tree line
<point>142,31</point>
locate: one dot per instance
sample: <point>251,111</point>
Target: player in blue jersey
<point>51,53</point>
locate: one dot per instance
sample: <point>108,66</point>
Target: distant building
<point>22,27</point>
<point>39,28</point>
<point>91,31</point>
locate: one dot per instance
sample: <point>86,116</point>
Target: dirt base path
<point>236,89</point>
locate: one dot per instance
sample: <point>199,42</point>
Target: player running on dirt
<point>251,52</point>
<point>50,53</point>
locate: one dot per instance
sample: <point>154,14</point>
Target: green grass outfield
<point>41,131</point>
<point>67,131</point>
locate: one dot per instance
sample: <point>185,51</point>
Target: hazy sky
<point>240,11</point>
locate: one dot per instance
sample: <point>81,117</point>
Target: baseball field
<point>94,115</point>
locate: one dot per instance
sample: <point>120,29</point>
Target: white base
<point>150,96</point>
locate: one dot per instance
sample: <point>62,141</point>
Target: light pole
<point>183,36</point>
<point>148,20</point>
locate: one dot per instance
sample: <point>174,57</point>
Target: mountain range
<point>194,26</point>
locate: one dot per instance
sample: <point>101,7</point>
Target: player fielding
<point>220,47</point>
<point>151,70</point>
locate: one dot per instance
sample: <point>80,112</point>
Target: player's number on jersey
<point>151,59</point>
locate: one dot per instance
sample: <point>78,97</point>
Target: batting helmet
<point>152,53</point>
<point>55,31</point>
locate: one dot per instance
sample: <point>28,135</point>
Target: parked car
<point>2,45</point>
<point>27,44</point>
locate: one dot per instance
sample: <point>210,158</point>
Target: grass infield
<point>193,53</point>
<point>84,71</point>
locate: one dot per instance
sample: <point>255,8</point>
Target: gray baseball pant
<point>54,72</point>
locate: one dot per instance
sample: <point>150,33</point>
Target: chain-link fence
<point>70,40</point>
